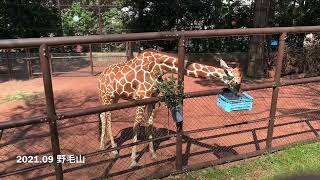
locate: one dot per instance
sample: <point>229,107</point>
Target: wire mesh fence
<point>25,150</point>
<point>80,136</point>
<point>213,133</point>
<point>210,134</point>
<point>298,118</point>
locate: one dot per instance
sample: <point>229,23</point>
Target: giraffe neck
<point>203,71</point>
<point>165,63</point>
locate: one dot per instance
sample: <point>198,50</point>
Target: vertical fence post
<point>51,112</point>
<point>181,58</point>
<point>129,52</point>
<point>29,63</point>
<point>50,62</point>
<point>275,91</point>
<point>90,59</point>
<point>9,65</point>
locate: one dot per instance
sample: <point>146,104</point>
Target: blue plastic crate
<point>230,102</point>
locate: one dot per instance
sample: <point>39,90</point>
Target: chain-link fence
<point>81,136</point>
<point>26,151</point>
<point>210,135</point>
<point>24,65</point>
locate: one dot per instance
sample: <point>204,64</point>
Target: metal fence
<point>26,65</point>
<point>209,135</point>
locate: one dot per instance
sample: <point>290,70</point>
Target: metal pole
<point>29,64</point>
<point>275,91</point>
<point>129,52</point>
<point>181,58</point>
<point>91,60</point>
<point>99,21</point>
<point>50,62</point>
<point>51,111</point>
<point>9,64</point>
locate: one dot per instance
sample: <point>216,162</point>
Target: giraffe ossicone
<point>136,79</point>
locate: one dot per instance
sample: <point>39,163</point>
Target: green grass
<point>298,159</point>
<point>20,95</point>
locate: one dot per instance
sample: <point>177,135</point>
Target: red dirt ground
<point>81,136</point>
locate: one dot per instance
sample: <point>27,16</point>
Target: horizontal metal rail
<point>234,158</point>
<point>186,133</point>
<point>23,122</point>
<point>123,105</point>
<point>57,41</point>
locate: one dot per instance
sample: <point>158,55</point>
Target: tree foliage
<point>32,18</point>
<point>35,18</point>
<point>78,20</point>
<point>170,15</point>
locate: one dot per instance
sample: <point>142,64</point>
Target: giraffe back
<point>133,79</point>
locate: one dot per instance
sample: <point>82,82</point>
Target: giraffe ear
<point>223,64</point>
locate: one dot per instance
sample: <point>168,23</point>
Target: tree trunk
<point>256,64</point>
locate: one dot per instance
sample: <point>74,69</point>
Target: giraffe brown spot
<point>151,65</point>
<point>122,81</point>
<point>142,88</point>
<point>191,68</point>
<point>126,69</point>
<point>170,59</point>
<point>102,88</point>
<point>201,74</point>
<point>119,75</point>
<point>147,53</point>
<point>220,71</point>
<point>148,86</point>
<point>130,75</point>
<point>140,76</point>
<point>162,59</point>
<point>147,77</point>
<point>205,69</point>
<point>156,68</point>
<point>197,66</point>
<point>150,59</point>
<point>134,83</point>
<point>138,62</point>
<point>112,76</point>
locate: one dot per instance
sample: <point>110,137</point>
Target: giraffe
<point>136,79</point>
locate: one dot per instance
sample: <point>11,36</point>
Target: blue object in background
<point>274,42</point>
<point>230,102</point>
<point>176,113</point>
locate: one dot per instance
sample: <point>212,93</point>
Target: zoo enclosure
<point>52,117</point>
<point>27,63</point>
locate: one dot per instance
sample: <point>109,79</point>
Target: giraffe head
<point>232,77</point>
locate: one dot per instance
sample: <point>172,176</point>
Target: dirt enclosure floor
<point>81,135</point>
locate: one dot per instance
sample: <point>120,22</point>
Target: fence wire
<point>230,134</point>
<point>25,148</point>
<point>210,134</point>
<point>81,136</point>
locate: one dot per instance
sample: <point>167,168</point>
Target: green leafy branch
<point>171,91</point>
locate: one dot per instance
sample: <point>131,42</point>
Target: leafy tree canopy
<point>78,20</point>
<point>32,18</point>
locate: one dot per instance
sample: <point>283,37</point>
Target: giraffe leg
<point>106,125</point>
<point>138,119</point>
<point>105,118</point>
<point>150,130</point>
<point>103,131</point>
<point>113,144</point>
